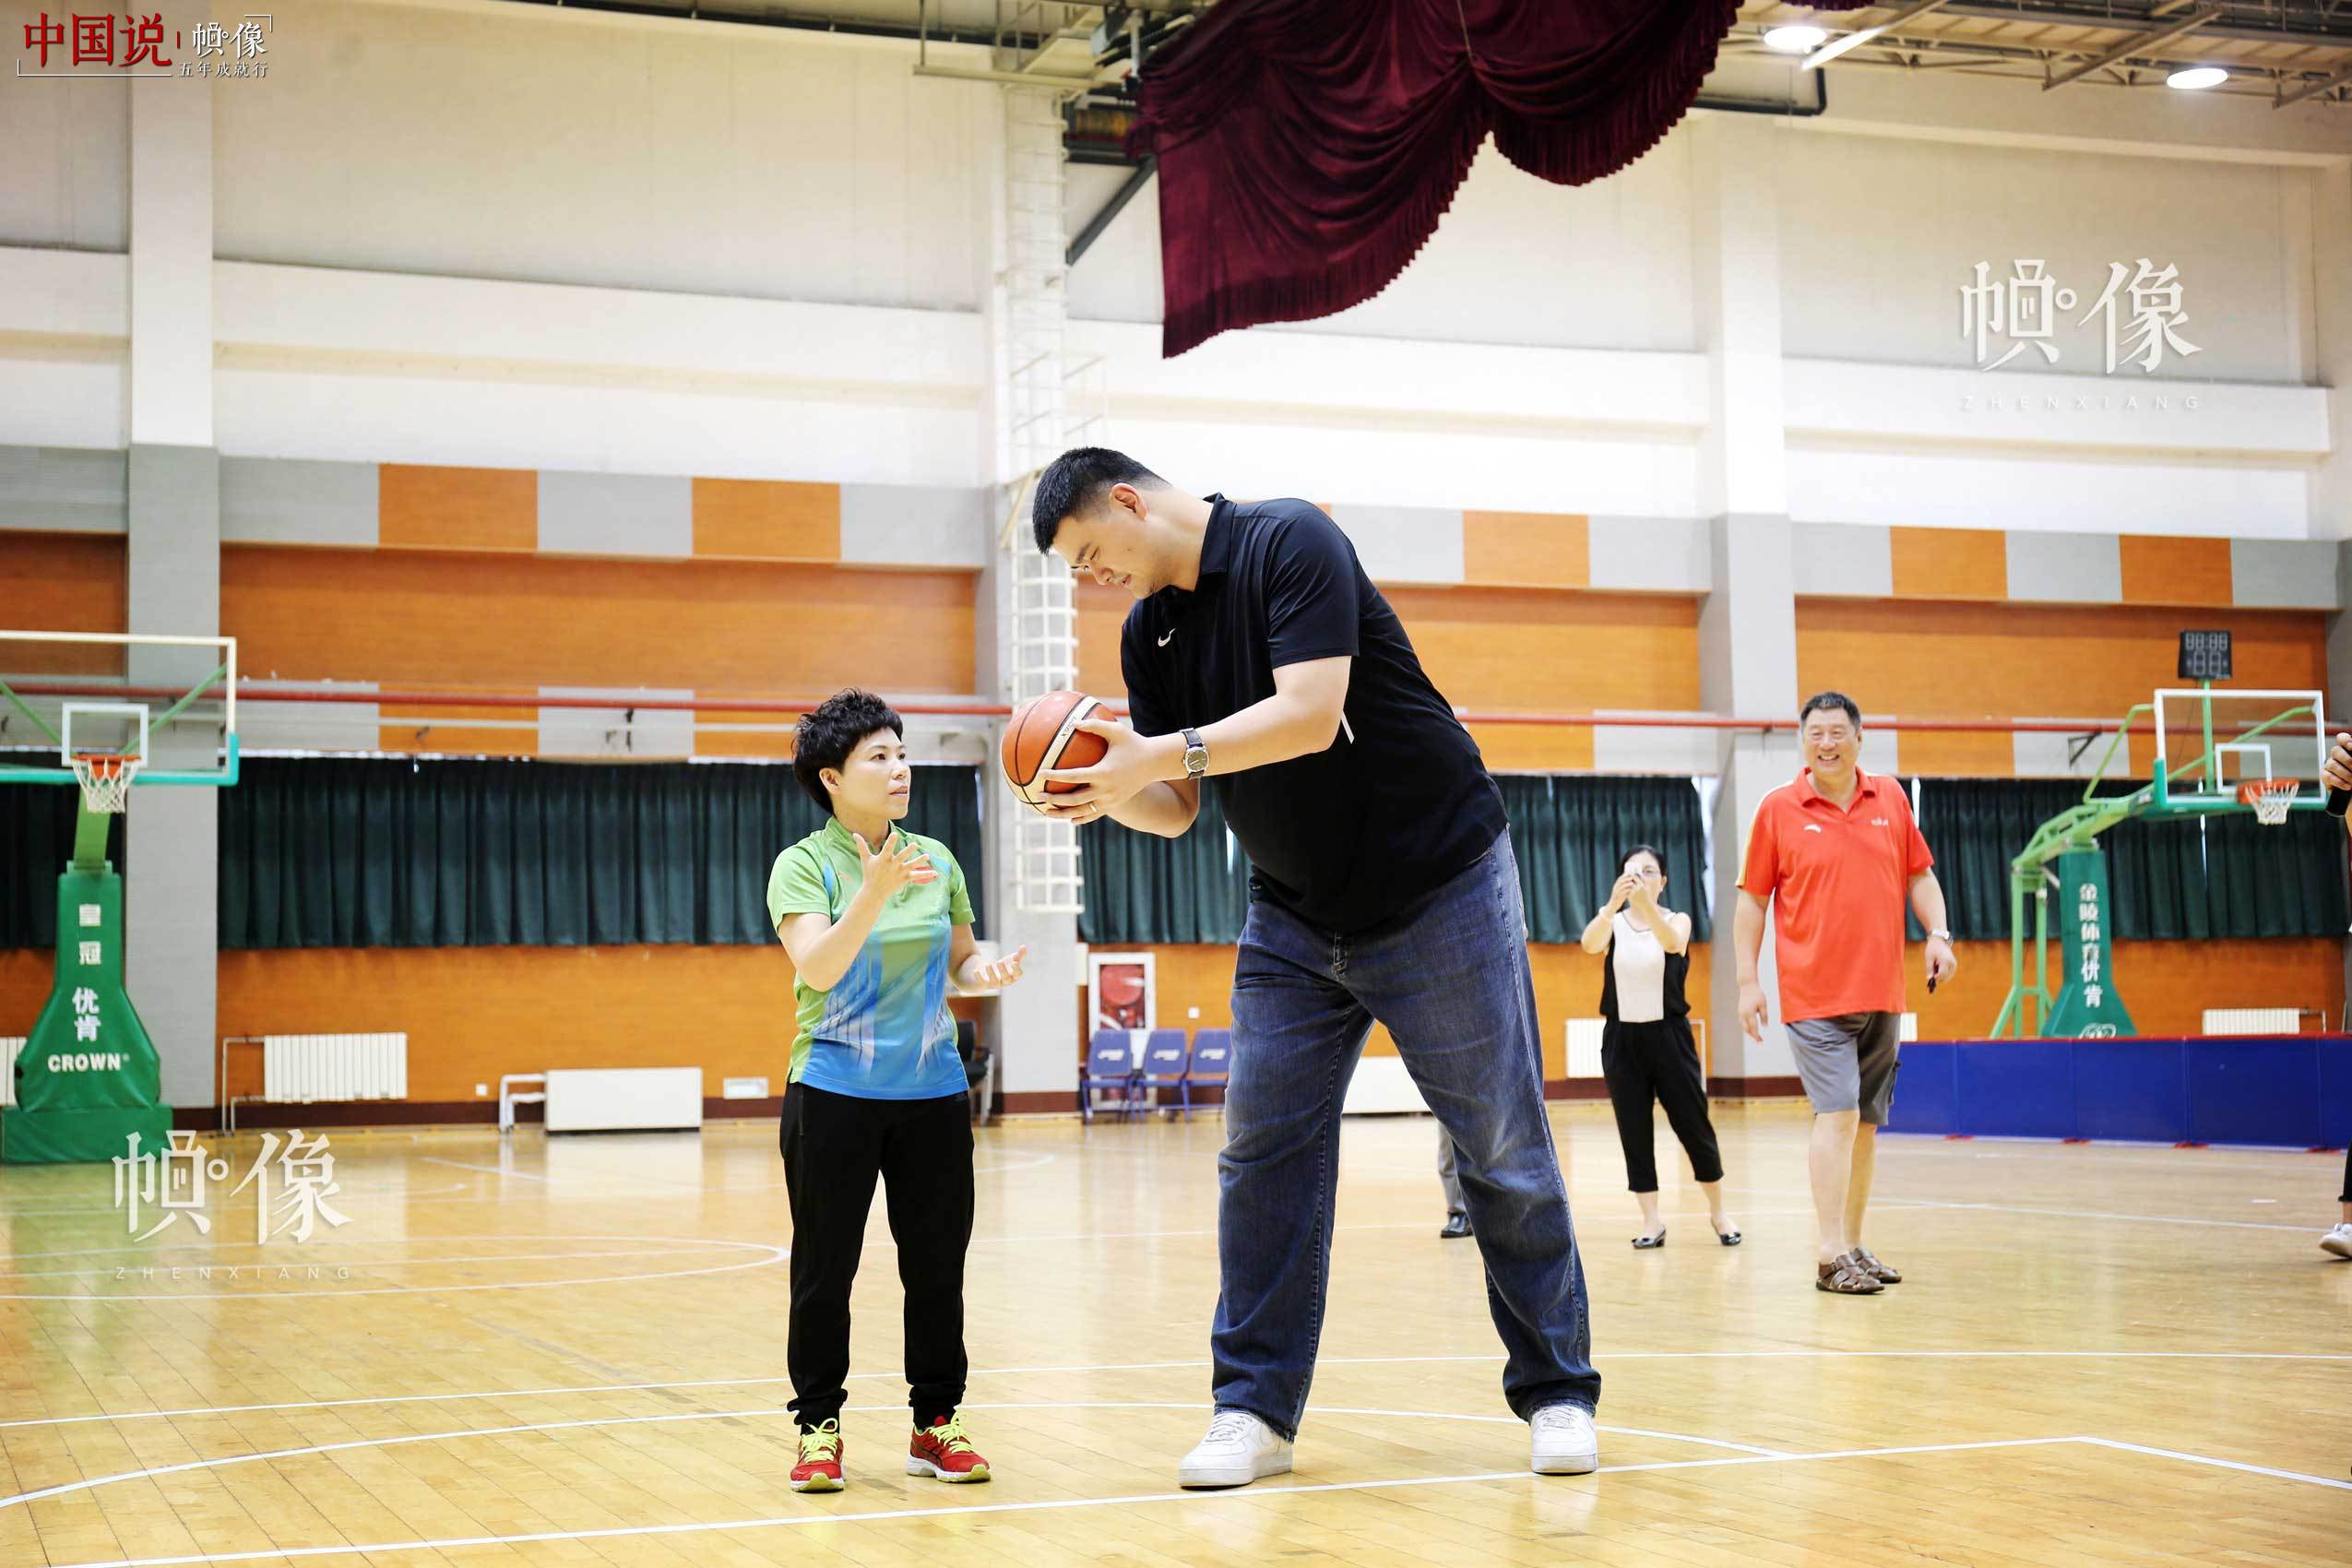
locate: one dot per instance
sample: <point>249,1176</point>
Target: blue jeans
<point>1449,977</point>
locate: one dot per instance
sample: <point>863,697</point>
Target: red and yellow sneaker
<point>942,1452</point>
<point>820,1466</point>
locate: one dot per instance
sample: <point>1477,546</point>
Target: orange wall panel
<point>474,1012</point>
<point>758,520</point>
<point>27,975</point>
<point>1501,649</point>
<point>64,582</point>
<point>437,508</point>
<point>456,728</point>
<point>2159,570</point>
<point>1928,660</point>
<point>2166,985</point>
<point>407,620</point>
<point>1527,549</point>
<point>1567,986</point>
<point>1537,650</point>
<point>1102,613</point>
<point>1950,562</point>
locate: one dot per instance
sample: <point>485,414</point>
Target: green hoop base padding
<point>60,1137</point>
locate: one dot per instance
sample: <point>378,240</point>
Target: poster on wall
<point>1120,991</point>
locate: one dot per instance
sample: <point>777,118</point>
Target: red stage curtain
<point>1308,148</point>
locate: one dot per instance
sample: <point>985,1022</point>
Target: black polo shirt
<point>1399,804</point>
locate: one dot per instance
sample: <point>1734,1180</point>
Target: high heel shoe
<point>1656,1239</point>
<point>1728,1237</point>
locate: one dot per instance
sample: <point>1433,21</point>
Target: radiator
<point>8,1048</point>
<point>1381,1086</point>
<point>1584,1047</point>
<point>587,1100</point>
<point>312,1067</point>
<point>2253,1020</point>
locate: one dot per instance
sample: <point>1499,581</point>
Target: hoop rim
<point>2270,799</point>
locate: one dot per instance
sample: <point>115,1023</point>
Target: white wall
<point>735,161</point>
<point>65,149</point>
<point>1878,236</point>
<point>520,236</point>
<point>1515,261</point>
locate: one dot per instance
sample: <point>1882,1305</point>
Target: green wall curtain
<point>364,852</point>
<point>2227,877</point>
<point>1571,833</point>
<point>36,840</point>
<point>1568,833</point>
<point>1141,887</point>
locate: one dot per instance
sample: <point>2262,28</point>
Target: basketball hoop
<point>105,778</point>
<point>2270,798</point>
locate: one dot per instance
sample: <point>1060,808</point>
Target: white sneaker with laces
<point>2338,1241</point>
<point>1238,1449</point>
<point>1563,1442</point>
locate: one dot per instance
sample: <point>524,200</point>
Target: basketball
<point>1044,735</point>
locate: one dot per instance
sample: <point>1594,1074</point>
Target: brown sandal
<point>1870,1263</point>
<point>1844,1277</point>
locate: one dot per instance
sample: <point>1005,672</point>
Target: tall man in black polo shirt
<point>1259,656</point>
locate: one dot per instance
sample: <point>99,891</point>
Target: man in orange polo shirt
<point>1835,852</point>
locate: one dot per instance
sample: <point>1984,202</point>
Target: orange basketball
<point>1044,735</point>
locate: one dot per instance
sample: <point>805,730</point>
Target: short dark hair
<point>1076,481</point>
<point>1819,700</point>
<point>828,732</point>
<point>1650,849</point>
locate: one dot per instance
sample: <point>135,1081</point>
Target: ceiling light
<point>1795,38</point>
<point>2196,76</point>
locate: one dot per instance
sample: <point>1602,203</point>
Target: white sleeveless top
<point>1638,964</point>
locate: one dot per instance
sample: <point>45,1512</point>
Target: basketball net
<point>2270,798</point>
<point>105,778</point>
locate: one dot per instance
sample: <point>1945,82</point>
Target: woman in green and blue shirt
<point>879,924</point>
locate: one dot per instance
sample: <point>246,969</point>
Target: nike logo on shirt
<point>1166,640</point>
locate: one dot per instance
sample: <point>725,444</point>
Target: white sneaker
<point>1238,1449</point>
<point>1563,1442</point>
<point>2338,1241</point>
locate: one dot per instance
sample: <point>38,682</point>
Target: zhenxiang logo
<point>2138,315</point>
<point>291,1185</point>
<point>65,48</point>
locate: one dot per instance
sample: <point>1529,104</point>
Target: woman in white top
<point>1646,1052</point>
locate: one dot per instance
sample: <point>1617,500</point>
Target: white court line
<point>404,1439</point>
<point>775,1254</point>
<point>1134,1500</point>
<point>312,1259</point>
<point>2216,1464</point>
<point>2094,1214</point>
<point>1183,1366</point>
<point>486,1170</point>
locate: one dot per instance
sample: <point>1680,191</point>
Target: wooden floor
<point>572,1353</point>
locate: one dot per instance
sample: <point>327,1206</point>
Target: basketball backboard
<point>170,703</point>
<point>2210,740</point>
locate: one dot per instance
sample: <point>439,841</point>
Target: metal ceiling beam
<point>1127,192</point>
<point>2312,90</point>
<point>2060,15</point>
<point>2139,43</point>
<point>1860,36</point>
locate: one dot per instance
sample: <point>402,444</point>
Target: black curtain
<point>2228,876</point>
<point>351,852</point>
<point>36,840</point>
<point>1141,887</point>
<point>1571,835</point>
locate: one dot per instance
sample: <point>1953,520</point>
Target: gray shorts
<point>1847,1062</point>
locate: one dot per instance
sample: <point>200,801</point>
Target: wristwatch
<point>1195,754</point>
<point>1939,936</point>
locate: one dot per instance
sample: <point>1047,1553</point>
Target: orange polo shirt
<point>1838,882</point>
